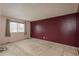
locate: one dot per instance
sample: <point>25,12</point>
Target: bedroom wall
<point>60,29</point>
<point>77,29</point>
<point>14,36</point>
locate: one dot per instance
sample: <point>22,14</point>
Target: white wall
<point>14,36</point>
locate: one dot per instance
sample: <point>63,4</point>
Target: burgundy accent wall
<point>57,29</point>
<point>77,29</point>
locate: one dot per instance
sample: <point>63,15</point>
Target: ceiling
<point>37,11</point>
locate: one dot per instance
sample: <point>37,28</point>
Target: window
<point>13,27</point>
<point>20,27</point>
<point>16,27</point>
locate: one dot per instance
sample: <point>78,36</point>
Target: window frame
<point>17,31</point>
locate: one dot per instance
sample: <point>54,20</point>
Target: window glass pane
<point>21,27</point>
<point>13,27</point>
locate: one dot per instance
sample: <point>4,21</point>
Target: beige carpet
<point>37,47</point>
